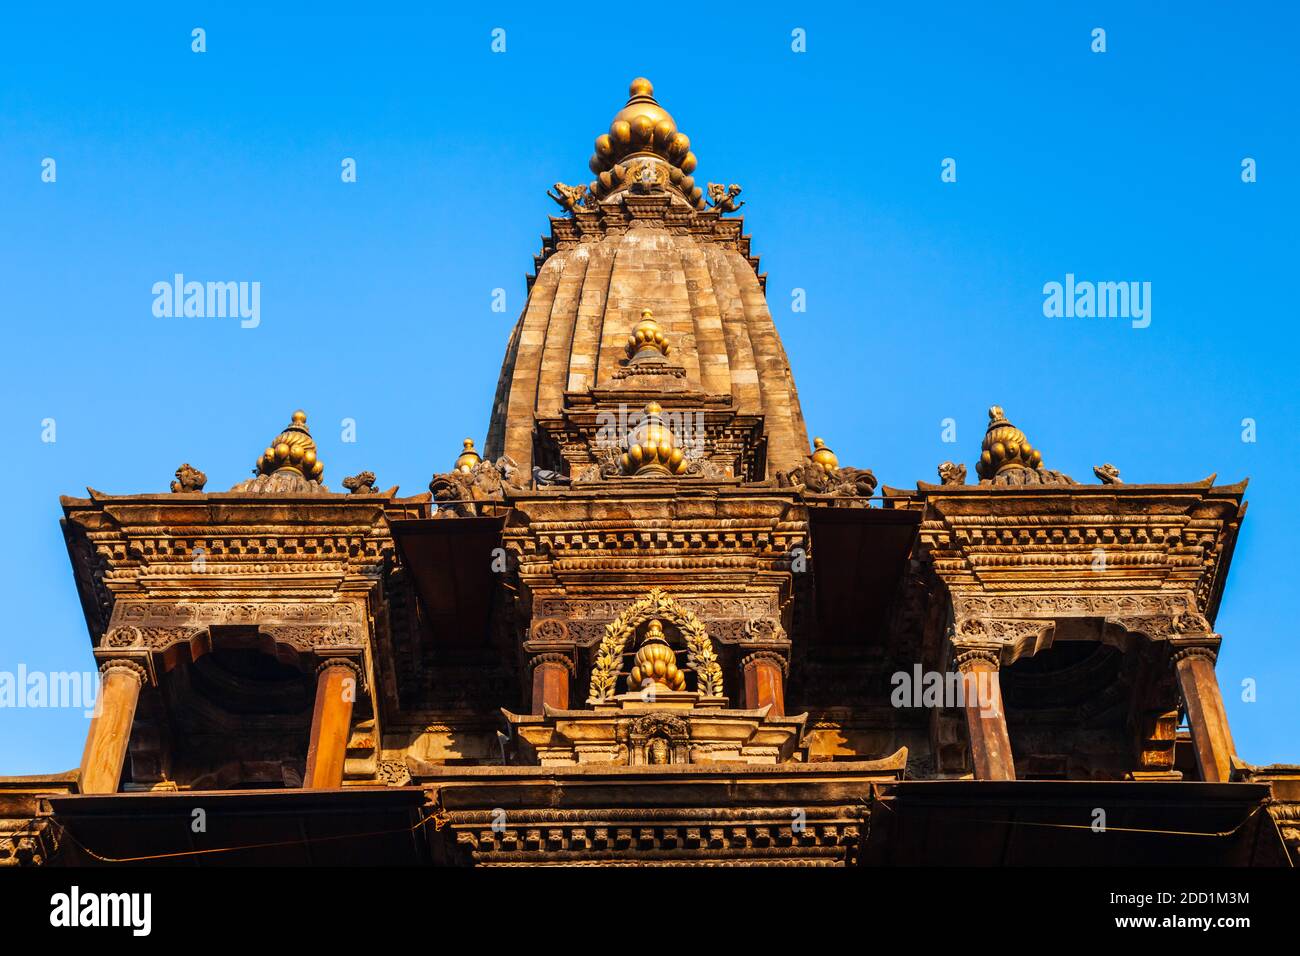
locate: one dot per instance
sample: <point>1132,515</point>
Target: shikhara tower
<point>650,622</point>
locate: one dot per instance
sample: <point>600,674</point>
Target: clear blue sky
<point>924,298</point>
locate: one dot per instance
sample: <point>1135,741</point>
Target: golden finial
<point>652,448</point>
<point>292,450</point>
<point>824,456</point>
<point>1005,447</point>
<point>656,663</point>
<point>646,338</point>
<point>643,128</point>
<point>468,457</point>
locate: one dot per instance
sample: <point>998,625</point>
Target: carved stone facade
<point>650,624</point>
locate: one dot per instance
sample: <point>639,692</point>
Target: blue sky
<point>924,298</point>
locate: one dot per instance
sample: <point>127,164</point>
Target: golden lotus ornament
<point>652,448</point>
<point>656,663</point>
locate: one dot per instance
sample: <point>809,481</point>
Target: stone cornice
<point>182,548</point>
<point>1204,488</point>
<point>1081,539</point>
<point>613,218</point>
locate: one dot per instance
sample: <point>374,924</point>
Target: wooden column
<point>110,728</point>
<point>986,720</point>
<point>765,682</point>
<point>1211,738</point>
<point>338,682</point>
<point>551,674</point>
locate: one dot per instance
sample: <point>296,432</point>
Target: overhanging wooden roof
<point>1050,823</point>
<point>349,827</point>
<point>450,560</point>
<point>859,555</point>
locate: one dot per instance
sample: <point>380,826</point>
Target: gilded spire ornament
<point>292,450</point>
<point>824,456</point>
<point>647,339</point>
<point>656,663</point>
<point>289,466</point>
<point>643,149</point>
<point>468,457</point>
<point>1005,447</point>
<point>1007,458</point>
<point>652,448</point>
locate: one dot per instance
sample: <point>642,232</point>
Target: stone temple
<point>650,622</point>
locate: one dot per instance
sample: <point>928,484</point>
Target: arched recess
<point>294,645</point>
<point>700,652</point>
<point>193,645</point>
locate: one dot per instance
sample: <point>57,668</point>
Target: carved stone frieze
<point>313,637</point>
<point>1024,636</point>
<point>823,835</point>
<point>1156,627</point>
<point>550,630</point>
<point>151,638</point>
<point>206,613</point>
<point>155,626</point>
<point>586,633</point>
<point>304,637</point>
<point>1070,604</point>
<point>1190,622</point>
<point>393,773</point>
<point>740,607</point>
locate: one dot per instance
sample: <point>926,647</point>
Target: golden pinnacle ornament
<point>652,448</point>
<point>292,450</point>
<point>656,663</point>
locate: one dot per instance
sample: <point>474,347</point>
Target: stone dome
<point>644,245</point>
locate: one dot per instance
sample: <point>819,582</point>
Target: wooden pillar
<point>986,719</point>
<point>110,727</point>
<point>765,682</point>
<point>1211,738</point>
<point>337,683</point>
<point>551,674</point>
